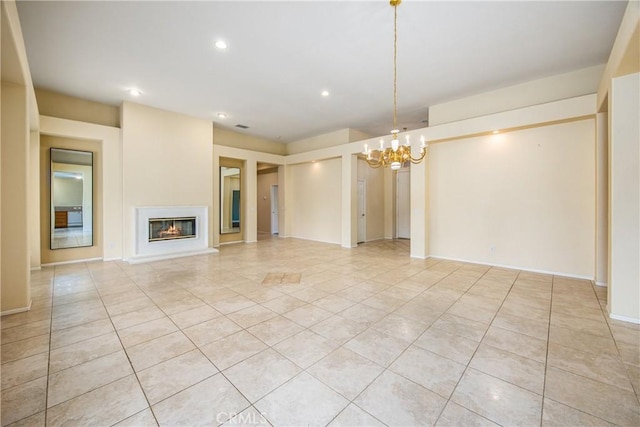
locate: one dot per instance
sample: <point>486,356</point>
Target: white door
<point>403,204</point>
<point>274,209</point>
<point>362,209</point>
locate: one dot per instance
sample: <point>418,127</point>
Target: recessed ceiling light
<point>221,44</point>
<point>325,93</point>
<point>223,115</point>
<point>135,92</point>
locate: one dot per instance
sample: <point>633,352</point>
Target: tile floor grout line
<point>46,390</point>
<point>196,348</point>
<point>185,285</point>
<point>468,365</point>
<point>130,364</point>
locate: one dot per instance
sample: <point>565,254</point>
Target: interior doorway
<point>403,204</point>
<point>267,209</point>
<point>362,209</point>
<point>274,209</point>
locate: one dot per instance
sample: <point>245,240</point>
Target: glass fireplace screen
<point>171,228</point>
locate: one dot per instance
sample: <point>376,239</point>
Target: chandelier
<point>395,154</point>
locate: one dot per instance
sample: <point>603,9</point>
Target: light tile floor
<point>368,337</point>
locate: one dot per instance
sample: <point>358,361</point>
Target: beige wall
<point>18,121</point>
<point>34,200</point>
<point>49,256</point>
<point>522,199</point>
<point>166,160</point>
<point>55,104</point>
<point>265,181</point>
<point>316,198</point>
<point>535,92</point>
<point>226,196</point>
<point>248,160</point>
<point>108,184</point>
<point>325,140</point>
<point>243,141</point>
<point>14,225</point>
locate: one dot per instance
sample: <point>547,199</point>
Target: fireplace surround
<point>165,232</point>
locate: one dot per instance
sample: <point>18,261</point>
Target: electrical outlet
<point>492,249</point>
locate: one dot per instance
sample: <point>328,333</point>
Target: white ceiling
<point>281,55</point>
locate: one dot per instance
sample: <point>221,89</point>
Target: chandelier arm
<point>416,160</point>
<point>374,163</point>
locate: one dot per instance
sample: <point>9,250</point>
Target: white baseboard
<point>601,284</point>
<point>376,239</point>
<point>315,240</point>
<point>625,319</point>
<point>38,268</point>
<point>231,243</point>
<point>17,310</point>
<point>150,258</point>
<point>75,261</point>
<point>515,267</point>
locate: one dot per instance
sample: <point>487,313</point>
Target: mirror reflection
<point>229,200</point>
<point>71,198</point>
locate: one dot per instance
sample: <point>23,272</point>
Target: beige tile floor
<point>367,337</point>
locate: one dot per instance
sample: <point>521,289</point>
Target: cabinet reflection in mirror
<point>71,198</point>
<point>229,200</point>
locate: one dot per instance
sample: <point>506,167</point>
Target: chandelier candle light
<point>395,154</point>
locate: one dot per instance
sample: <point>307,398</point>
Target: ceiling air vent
<point>242,126</point>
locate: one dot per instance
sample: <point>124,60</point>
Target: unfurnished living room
<point>310,213</point>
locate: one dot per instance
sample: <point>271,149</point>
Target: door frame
<point>364,212</point>
<point>273,195</point>
<point>402,171</point>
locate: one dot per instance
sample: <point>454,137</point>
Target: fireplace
<point>172,228</point>
<point>164,232</point>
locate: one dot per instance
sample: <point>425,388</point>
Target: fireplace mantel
<point>153,249</point>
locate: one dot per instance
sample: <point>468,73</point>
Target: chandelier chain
<point>395,155</point>
<point>395,62</point>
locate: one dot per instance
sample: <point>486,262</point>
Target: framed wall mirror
<point>71,198</point>
<point>229,200</point>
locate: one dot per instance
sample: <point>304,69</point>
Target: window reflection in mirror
<point>71,198</point>
<point>229,200</point>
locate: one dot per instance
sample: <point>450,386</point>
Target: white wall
<point>167,161</point>
<point>522,199</point>
<point>316,200</point>
<point>624,199</point>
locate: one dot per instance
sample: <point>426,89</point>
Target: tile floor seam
<point>387,368</point>
<point>206,358</point>
<point>619,354</point>
<point>468,365</point>
<point>548,344</point>
<point>577,409</point>
<point>183,286</point>
<point>130,365</point>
